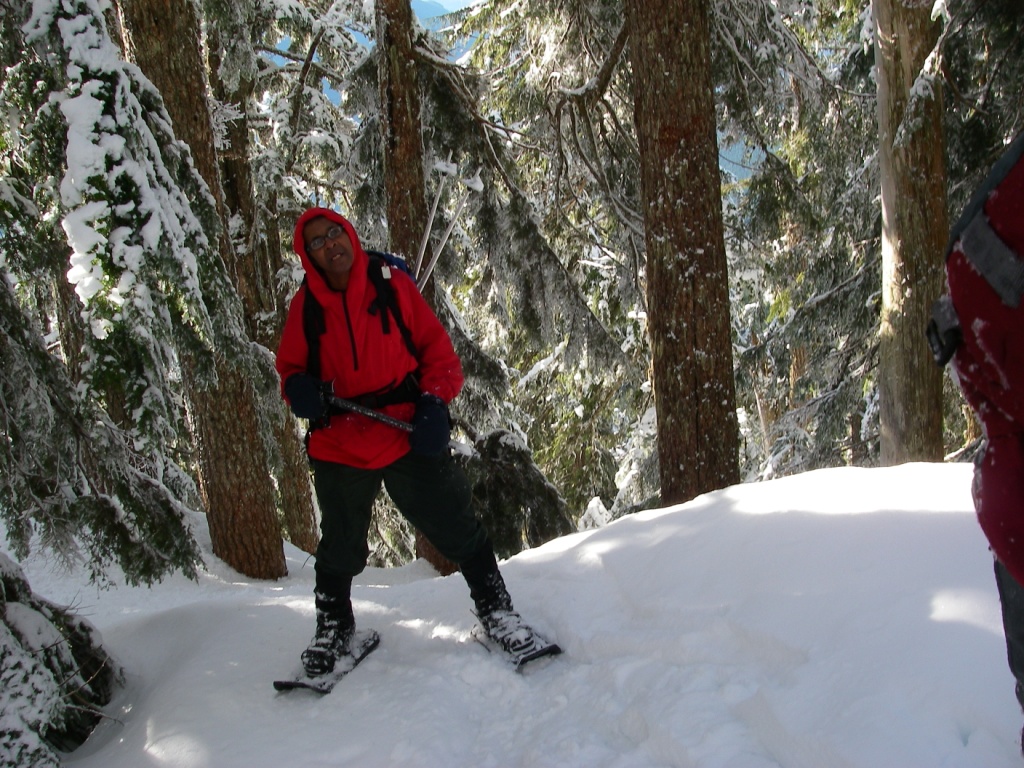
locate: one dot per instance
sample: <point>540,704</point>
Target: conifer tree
<point>802,225</point>
<point>564,265</point>
<point>914,228</point>
<point>807,226</point>
<point>687,275</point>
<point>88,169</point>
<point>563,81</point>
<point>227,414</point>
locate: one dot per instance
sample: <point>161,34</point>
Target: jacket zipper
<point>351,333</point>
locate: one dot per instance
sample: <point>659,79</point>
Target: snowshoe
<point>360,645</point>
<point>507,633</point>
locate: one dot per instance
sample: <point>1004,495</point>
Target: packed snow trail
<point>843,617</point>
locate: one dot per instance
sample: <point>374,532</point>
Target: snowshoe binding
<point>505,631</point>
<point>337,662</point>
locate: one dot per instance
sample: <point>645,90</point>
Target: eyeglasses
<point>319,242</point>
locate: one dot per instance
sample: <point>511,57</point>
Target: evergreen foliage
<point>53,672</point>
<point>73,479</point>
<point>806,227</point>
<point>562,236</point>
<point>94,155</point>
<point>982,66</point>
<point>806,231</point>
<point>523,508</point>
<point>531,156</point>
<point>92,437</point>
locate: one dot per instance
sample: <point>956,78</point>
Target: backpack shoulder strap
<point>995,260</point>
<point>379,273</point>
<point>1000,264</point>
<point>313,326</point>
<point>1000,170</point>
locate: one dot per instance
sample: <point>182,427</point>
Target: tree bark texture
<point>234,481</point>
<point>401,127</point>
<point>162,36</point>
<point>914,231</point>
<point>687,273</point>
<point>259,254</point>
<point>404,181</point>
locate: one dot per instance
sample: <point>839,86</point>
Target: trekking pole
<point>446,171</point>
<point>472,185</point>
<point>421,279</point>
<point>348,405</point>
<point>391,421</point>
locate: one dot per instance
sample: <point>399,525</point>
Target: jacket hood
<point>317,282</point>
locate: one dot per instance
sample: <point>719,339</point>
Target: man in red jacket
<point>364,358</point>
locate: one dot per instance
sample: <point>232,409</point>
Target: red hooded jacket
<point>990,368</point>
<point>358,358</point>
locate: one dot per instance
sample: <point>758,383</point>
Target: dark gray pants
<point>1011,600</point>
<point>431,493</point>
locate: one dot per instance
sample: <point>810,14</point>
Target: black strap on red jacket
<point>379,272</point>
<point>314,326</point>
<point>1000,265</point>
<point>385,304</point>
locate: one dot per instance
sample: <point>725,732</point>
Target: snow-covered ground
<point>844,617</point>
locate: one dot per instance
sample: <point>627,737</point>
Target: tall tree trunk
<point>234,478</point>
<point>914,231</point>
<point>162,36</point>
<point>404,182</point>
<point>401,126</point>
<point>687,274</point>
<point>257,253</point>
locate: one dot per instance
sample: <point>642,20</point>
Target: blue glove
<point>306,396</point>
<point>431,429</point>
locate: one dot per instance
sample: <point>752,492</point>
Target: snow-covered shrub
<point>54,676</point>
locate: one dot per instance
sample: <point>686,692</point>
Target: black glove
<point>306,396</point>
<point>431,429</point>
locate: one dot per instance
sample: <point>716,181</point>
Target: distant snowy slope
<point>428,9</point>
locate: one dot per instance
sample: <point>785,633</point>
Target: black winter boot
<point>486,586</point>
<point>335,624</point>
<point>494,605</point>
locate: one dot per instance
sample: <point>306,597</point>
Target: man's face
<point>328,246</point>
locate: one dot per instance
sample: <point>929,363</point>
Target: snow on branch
<point>136,215</point>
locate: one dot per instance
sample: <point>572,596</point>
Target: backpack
<point>999,263</point>
<point>386,305</point>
